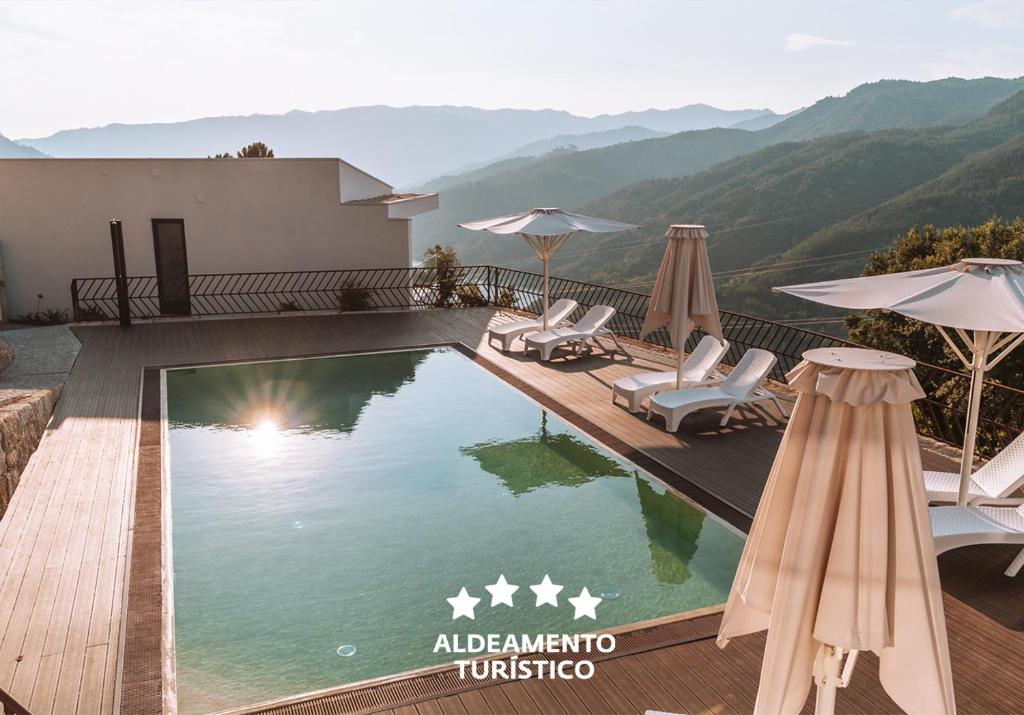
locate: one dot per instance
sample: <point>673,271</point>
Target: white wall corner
<point>407,208</point>
<point>355,184</point>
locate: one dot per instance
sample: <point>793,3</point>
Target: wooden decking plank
<point>589,695</point>
<point>496,700</point>
<point>520,699</point>
<point>736,699</point>
<point>473,701</point>
<point>451,705</point>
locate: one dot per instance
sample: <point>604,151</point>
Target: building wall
<point>240,215</point>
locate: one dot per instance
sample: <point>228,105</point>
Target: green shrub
<point>471,296</point>
<point>353,296</point>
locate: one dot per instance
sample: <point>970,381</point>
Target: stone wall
<point>23,418</point>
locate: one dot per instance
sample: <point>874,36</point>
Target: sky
<point>81,64</point>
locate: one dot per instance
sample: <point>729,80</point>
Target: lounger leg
<point>635,402</point>
<point>1014,568</point>
<point>779,407</point>
<point>673,425</point>
<point>728,414</point>
<point>618,345</point>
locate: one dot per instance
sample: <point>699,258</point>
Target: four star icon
<point>501,592</point>
<point>547,592</point>
<point>463,605</point>
<point>585,605</point>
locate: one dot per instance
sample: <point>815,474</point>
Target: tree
<point>256,150</point>
<point>446,265</point>
<point>933,247</point>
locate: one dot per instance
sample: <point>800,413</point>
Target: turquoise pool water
<point>339,501</point>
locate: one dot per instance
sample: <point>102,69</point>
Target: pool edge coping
<point>146,694</point>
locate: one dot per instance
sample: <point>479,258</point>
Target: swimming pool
<point>323,510</point>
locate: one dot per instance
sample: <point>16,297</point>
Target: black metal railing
<point>940,415</point>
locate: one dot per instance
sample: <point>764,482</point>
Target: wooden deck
<point>64,543</point>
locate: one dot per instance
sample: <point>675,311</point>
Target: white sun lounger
<point>698,370</point>
<point>743,386</point>
<point>993,483</point>
<point>586,330</point>
<point>956,526</point>
<point>508,332</point>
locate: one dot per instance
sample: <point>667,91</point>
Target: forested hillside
<point>574,179</point>
<point>798,212</point>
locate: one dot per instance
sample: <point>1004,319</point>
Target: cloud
<point>992,14</point>
<point>797,42</point>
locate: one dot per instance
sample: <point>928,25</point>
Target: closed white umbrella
<point>546,230</point>
<point>980,299</point>
<point>684,292</point>
<point>840,557</point>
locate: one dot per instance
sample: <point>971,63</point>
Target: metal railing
<point>940,415</point>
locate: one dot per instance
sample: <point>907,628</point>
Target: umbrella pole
<point>680,359</point>
<point>827,676</point>
<point>978,365</point>
<point>547,257</point>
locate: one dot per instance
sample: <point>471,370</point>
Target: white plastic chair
<point>586,330</point>
<point>743,386</point>
<point>957,526</point>
<point>993,483</point>
<point>508,332</point>
<point>698,370</point>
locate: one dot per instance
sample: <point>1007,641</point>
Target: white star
<point>501,592</point>
<point>585,605</point>
<point>547,592</point>
<point>463,605</point>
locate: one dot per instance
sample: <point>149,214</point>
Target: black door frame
<point>160,279</point>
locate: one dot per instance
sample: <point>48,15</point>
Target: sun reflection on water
<point>265,435</point>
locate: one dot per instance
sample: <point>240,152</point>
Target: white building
<point>192,216</point>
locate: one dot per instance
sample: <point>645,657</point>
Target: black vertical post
<point>120,272</point>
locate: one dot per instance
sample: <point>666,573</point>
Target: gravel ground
<point>43,357</point>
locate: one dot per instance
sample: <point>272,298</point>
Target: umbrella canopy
<point>961,297</point>
<point>546,230</point>
<point>840,557</point>
<point>684,292</point>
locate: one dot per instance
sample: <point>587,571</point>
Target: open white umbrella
<point>840,556</point>
<point>983,296</point>
<point>546,230</point>
<point>684,292</point>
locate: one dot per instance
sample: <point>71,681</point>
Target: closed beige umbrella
<point>684,292</point>
<point>840,556</point>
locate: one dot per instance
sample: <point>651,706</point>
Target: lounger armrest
<point>996,501</point>
<point>710,382</point>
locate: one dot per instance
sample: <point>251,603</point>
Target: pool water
<point>323,510</point>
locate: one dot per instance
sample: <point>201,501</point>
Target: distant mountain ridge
<point>14,150</point>
<point>525,155</point>
<point>805,211</point>
<point>572,180</point>
<point>403,145</point>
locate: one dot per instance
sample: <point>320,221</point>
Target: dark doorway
<point>171,265</point>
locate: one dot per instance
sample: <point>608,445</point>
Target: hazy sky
<point>73,64</point>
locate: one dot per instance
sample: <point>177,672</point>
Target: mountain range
<point>815,192</point>
<point>13,150</point>
<point>402,145</point>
